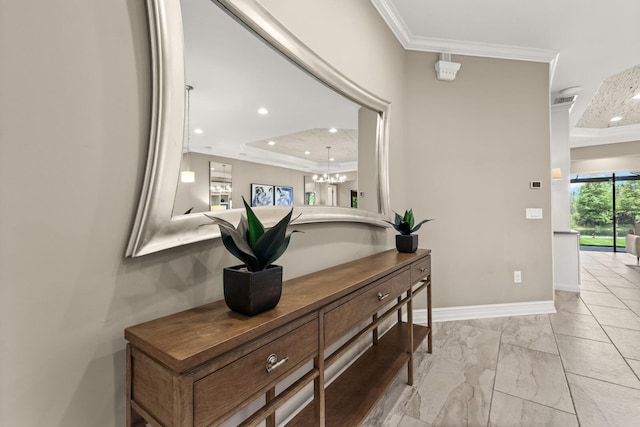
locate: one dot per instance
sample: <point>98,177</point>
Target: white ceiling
<point>585,42</point>
<point>233,74</point>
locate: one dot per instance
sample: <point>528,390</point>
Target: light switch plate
<point>534,213</point>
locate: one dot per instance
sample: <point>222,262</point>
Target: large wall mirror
<point>243,106</point>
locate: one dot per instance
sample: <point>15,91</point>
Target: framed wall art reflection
<point>284,196</point>
<point>261,195</point>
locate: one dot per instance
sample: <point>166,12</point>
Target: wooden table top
<point>184,340</point>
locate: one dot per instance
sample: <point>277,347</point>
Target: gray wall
<point>620,157</point>
<point>473,145</point>
<point>74,112</point>
<point>244,174</point>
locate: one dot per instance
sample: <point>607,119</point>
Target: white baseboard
<point>567,287</point>
<point>484,311</point>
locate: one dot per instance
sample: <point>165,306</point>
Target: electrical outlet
<point>517,277</point>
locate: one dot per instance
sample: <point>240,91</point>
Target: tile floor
<point>578,367</point>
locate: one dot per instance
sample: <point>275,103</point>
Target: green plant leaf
<point>398,218</point>
<point>408,217</point>
<point>219,221</point>
<point>234,241</point>
<point>272,241</point>
<point>405,224</point>
<point>254,226</point>
<point>396,226</point>
<point>243,228</point>
<point>239,248</point>
<point>280,250</point>
<point>269,245</point>
<point>417,227</point>
<point>404,228</point>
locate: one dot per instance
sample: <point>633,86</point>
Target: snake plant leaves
<point>272,244</point>
<point>235,243</point>
<point>405,224</point>
<point>250,243</point>
<point>254,227</point>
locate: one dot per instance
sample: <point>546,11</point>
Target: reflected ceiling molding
<point>584,137</point>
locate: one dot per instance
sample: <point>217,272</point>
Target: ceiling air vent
<point>565,100</point>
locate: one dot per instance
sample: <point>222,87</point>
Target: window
<point>604,208</point>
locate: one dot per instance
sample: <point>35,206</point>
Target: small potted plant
<point>256,285</point>
<point>406,241</point>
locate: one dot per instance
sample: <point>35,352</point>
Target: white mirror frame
<point>155,228</point>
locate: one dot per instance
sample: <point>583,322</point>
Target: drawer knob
<point>273,363</point>
<point>381,297</point>
<point>422,269</point>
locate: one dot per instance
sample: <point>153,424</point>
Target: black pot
<point>251,293</point>
<point>407,243</point>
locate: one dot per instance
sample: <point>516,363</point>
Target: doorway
<point>604,207</point>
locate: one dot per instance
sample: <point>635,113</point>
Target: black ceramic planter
<point>407,243</point>
<point>251,293</point>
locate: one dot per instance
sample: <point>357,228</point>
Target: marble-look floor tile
<point>633,306</point>
<point>390,408</point>
<point>533,332</point>
<point>577,325</point>
<point>606,273</point>
<point>626,293</point>
<point>464,343</point>
<point>619,282</point>
<point>599,298</point>
<point>533,375</point>
<point>635,366</point>
<point>600,403</point>
<point>592,286</point>
<point>571,302</point>
<point>627,341</point>
<point>453,394</point>
<point>511,411</point>
<point>492,324</point>
<point>595,359</point>
<point>594,265</point>
<point>627,273</point>
<point>408,421</point>
<point>622,318</point>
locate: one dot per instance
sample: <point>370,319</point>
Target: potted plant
<point>406,241</point>
<point>256,285</point>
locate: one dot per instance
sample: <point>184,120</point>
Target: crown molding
<point>584,137</point>
<point>426,44</point>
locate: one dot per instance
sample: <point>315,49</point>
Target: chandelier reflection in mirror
<point>335,179</point>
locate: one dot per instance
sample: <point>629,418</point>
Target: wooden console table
<point>201,366</point>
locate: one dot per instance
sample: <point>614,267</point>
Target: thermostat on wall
<point>536,185</point>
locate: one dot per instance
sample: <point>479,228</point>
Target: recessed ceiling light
<point>333,130</point>
<point>307,152</point>
<point>263,111</point>
<point>331,159</point>
<point>271,143</point>
<point>198,131</point>
<point>636,96</point>
<point>571,90</point>
<point>616,119</point>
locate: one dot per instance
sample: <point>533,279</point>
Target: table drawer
<point>420,269</point>
<point>346,316</point>
<point>227,388</point>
